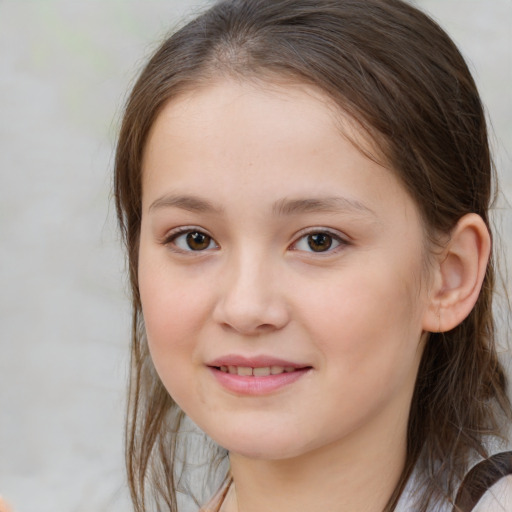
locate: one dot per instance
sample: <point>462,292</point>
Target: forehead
<point>227,103</point>
<point>254,137</point>
<point>233,100</point>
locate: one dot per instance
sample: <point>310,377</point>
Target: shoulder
<point>498,498</point>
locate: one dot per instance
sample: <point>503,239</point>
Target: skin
<point>355,313</point>
<point>4,507</point>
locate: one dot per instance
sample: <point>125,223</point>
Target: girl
<point>304,189</point>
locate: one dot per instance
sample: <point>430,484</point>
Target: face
<point>281,272</point>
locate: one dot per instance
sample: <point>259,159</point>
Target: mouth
<point>262,371</point>
<point>256,376</point>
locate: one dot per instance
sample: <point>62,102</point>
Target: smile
<point>264,371</point>
<point>256,376</point>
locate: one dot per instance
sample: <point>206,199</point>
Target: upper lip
<point>254,362</point>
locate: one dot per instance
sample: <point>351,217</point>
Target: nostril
<point>250,311</point>
<point>249,329</point>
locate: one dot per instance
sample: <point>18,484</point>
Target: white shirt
<point>497,499</point>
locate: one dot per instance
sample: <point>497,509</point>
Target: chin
<point>261,444</point>
<point>265,452</point>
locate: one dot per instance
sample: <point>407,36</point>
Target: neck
<point>358,474</point>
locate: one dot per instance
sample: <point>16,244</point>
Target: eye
<point>318,241</point>
<point>191,240</point>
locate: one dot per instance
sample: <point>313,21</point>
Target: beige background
<point>64,68</point>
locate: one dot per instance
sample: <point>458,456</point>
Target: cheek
<point>368,331</point>
<point>368,327</point>
<point>172,303</point>
<point>172,313</point>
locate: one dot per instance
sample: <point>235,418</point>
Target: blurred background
<point>65,68</point>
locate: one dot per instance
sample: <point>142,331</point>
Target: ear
<point>458,275</point>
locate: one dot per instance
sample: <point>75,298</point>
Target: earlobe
<point>459,274</point>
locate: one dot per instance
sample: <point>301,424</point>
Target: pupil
<point>319,242</point>
<point>198,241</point>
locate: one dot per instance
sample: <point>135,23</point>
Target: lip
<point>254,362</point>
<point>253,385</point>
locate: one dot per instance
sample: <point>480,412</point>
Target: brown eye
<point>198,241</point>
<point>319,242</point>
<point>192,241</point>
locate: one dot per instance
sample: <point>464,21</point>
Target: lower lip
<point>251,385</point>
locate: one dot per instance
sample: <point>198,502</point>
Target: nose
<point>250,300</point>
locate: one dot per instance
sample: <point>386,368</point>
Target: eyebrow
<point>282,207</point>
<point>333,204</point>
<point>185,202</point>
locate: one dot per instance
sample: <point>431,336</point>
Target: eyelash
<point>340,242</point>
<point>335,237</point>
<point>170,240</point>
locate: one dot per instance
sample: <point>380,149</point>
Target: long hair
<point>396,73</point>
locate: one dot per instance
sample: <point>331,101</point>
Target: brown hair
<point>401,78</point>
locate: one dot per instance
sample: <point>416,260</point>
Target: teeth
<point>261,372</point>
<point>246,371</point>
